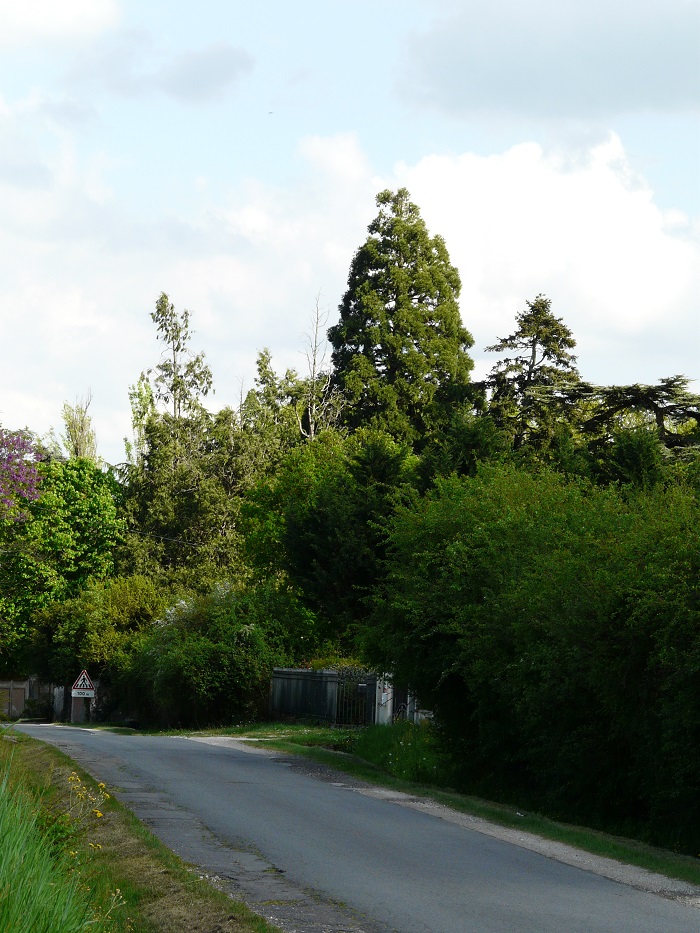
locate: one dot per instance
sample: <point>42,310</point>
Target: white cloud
<point>78,276</point>
<point>27,21</point>
<point>339,156</point>
<point>130,63</point>
<point>557,58</point>
<point>586,232</point>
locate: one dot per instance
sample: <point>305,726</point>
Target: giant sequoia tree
<point>400,350</point>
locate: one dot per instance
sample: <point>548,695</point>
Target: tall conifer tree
<point>525,387</point>
<point>400,350</point>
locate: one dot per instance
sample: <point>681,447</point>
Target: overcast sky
<point>229,154</point>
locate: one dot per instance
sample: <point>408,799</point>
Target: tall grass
<point>407,751</point>
<point>38,894</point>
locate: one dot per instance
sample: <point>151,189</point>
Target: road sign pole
<point>82,690</point>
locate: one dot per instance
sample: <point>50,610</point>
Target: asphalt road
<point>313,855</point>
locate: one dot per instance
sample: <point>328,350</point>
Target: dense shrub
<point>555,629</point>
<point>209,659</point>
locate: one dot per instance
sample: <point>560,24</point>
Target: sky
<point>229,154</point>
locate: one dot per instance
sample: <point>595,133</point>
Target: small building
<point>25,697</point>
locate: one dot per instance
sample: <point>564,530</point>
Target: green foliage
<point>210,658</point>
<point>178,500</point>
<point>94,630</point>
<point>400,350</point>
<point>526,388</point>
<point>553,627</point>
<point>184,487</point>
<point>669,407</point>
<point>632,456</point>
<point>468,439</point>
<point>321,521</point>
<point>143,408</point>
<point>68,539</point>
<point>269,414</point>
<point>408,751</point>
<point>79,439</point>
<point>181,376</point>
<point>638,434</point>
<point>178,481</point>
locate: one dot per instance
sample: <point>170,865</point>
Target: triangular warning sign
<point>83,682</point>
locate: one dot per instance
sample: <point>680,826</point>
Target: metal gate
<point>356,705</point>
<point>344,698</point>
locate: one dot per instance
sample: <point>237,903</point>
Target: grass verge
<point>132,881</point>
<point>39,889</point>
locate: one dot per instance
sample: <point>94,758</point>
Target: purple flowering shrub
<point>19,478</point>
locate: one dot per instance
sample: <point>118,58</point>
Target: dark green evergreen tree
<point>668,407</point>
<point>400,350</point>
<point>639,434</point>
<point>526,388</point>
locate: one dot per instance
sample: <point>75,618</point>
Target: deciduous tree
<point>67,540</point>
<point>179,498</point>
<point>318,401</point>
<point>79,439</point>
<point>19,477</point>
<point>181,376</point>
